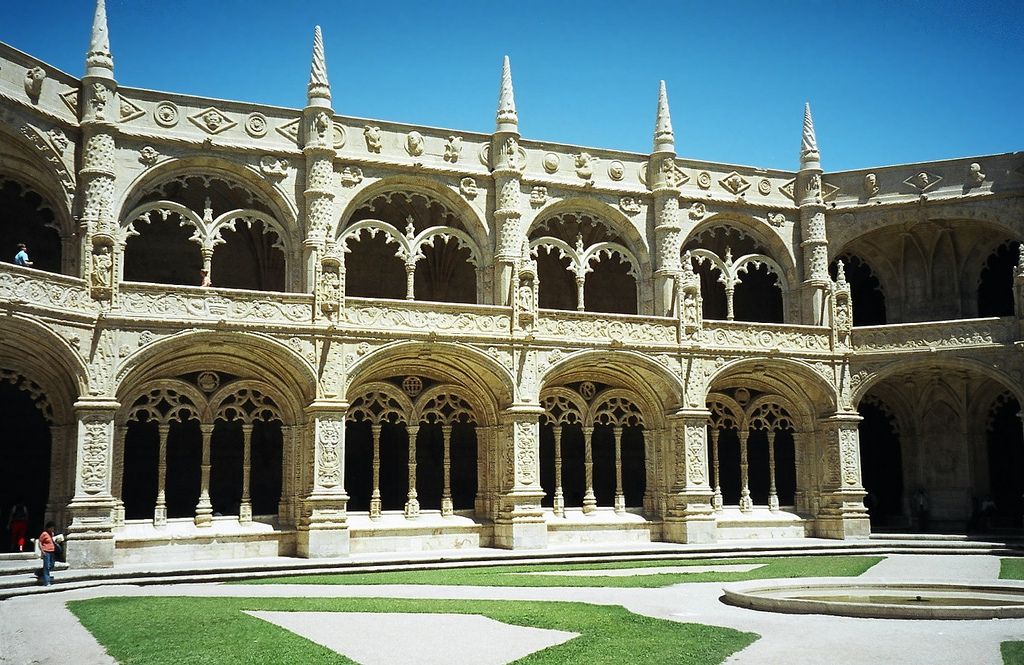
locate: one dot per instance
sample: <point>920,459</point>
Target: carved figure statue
<point>99,99</point>
<point>102,266</point>
<point>584,165</point>
<point>975,174</point>
<point>321,125</point>
<point>414,144</point>
<point>453,149</point>
<point>34,82</point>
<point>373,138</point>
<point>870,184</point>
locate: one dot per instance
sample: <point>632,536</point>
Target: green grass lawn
<point>1011,569</point>
<point>193,631</point>
<point>1013,653</point>
<point>780,567</point>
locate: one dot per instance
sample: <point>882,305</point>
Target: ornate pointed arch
<point>378,403</point>
<point>444,405</point>
<point>777,250</point>
<point>562,407</point>
<point>476,225</point>
<point>612,219</point>
<point>164,401</point>
<point>771,412</point>
<point>246,401</point>
<point>615,407</point>
<point>725,412</point>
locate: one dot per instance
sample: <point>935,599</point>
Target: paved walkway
<point>785,639</point>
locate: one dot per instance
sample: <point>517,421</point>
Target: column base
<point>842,528</point>
<point>90,542</point>
<point>447,507</point>
<point>412,509</point>
<point>323,528</point>
<point>520,524</point>
<point>690,529</point>
<point>204,512</point>
<point>322,543</point>
<point>245,513</point>
<point>620,504</point>
<point>160,516</point>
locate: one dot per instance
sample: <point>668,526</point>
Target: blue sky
<point>888,82</point>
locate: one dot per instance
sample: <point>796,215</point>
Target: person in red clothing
<point>17,523</point>
<point>49,547</point>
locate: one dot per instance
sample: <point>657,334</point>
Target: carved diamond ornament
<point>129,109</point>
<point>290,130</point>
<point>735,183</point>
<point>212,121</point>
<point>923,181</point>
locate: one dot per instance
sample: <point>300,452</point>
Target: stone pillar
<point>447,508</point>
<point>323,523</point>
<point>589,499</point>
<point>506,168</point>
<point>558,502</point>
<point>57,498</point>
<point>746,503</point>
<point>245,503</point>
<point>664,177</point>
<point>160,511</point>
<point>690,516</point>
<point>808,193</point>
<point>117,481</point>
<point>318,150</point>
<point>90,541</point>
<point>841,513</point>
<point>716,496</point>
<point>375,503</point>
<point>412,503</point>
<point>204,508</point>
<point>620,497</point>
<point>519,523</point>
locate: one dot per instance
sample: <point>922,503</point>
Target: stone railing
<point>386,316</point>
<point>191,303</point>
<point>766,337</point>
<point>583,327</point>
<point>28,289</point>
<point>934,336</point>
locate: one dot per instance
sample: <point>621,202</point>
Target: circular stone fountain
<point>881,599</point>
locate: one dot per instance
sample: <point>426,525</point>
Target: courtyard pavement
<point>39,629</point>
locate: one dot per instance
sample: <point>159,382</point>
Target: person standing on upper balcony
<point>21,258</point>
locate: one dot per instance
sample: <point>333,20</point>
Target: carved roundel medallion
<point>208,381</point>
<point>588,390</point>
<point>256,125</point>
<point>550,162</point>
<point>412,386</point>
<point>616,171</point>
<point>166,114</point>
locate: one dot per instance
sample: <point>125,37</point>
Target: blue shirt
<point>21,258</point>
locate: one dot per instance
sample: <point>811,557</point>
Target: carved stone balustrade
<point>934,336</point>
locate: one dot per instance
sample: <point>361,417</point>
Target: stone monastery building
<point>420,338</point>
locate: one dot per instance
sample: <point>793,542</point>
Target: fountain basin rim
<point>786,596</point>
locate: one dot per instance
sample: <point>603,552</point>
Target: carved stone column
<point>160,510</point>
<point>447,508</point>
<point>245,503</point>
<point>318,150</point>
<point>664,178</point>
<point>412,503</point>
<point>520,520</point>
<point>690,516</point>
<point>589,499</point>
<point>506,168</point>
<point>558,502</point>
<point>809,196</point>
<point>117,481</point>
<point>841,513</point>
<point>90,538</point>
<point>773,494</point>
<point>99,112</point>
<point>375,503</point>
<point>746,503</point>
<point>204,508</point>
<point>716,498</point>
<point>620,498</point>
<point>323,523</point>
<point>286,503</point>
<point>58,497</point>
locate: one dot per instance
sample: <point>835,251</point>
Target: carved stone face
<point>870,182</point>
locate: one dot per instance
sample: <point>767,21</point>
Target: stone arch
<point>440,251</point>
<point>244,175</point>
<point>290,375</point>
<point>491,385</point>
<point>753,269</point>
<point>41,382</point>
<point>659,389</point>
<point>809,394</point>
<point>911,365</point>
<point>994,283</point>
<point>476,224</point>
<point>254,229</point>
<point>26,158</point>
<point>560,256</point>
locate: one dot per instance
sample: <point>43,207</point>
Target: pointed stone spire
<point>508,121</point>
<point>98,60</point>
<point>319,87</point>
<point>664,138</point>
<point>809,156</point>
